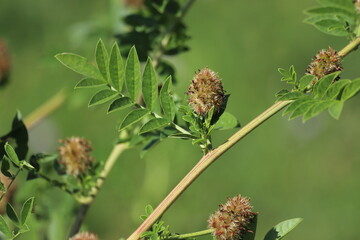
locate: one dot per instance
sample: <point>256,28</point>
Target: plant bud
<point>75,155</point>
<point>206,91</point>
<point>84,236</point>
<point>4,63</point>
<point>231,221</point>
<point>325,62</point>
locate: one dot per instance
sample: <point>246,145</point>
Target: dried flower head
<point>325,62</point>
<point>206,91</point>
<point>84,236</point>
<point>134,3</point>
<point>4,63</point>
<point>357,5</point>
<point>75,155</point>
<point>232,219</point>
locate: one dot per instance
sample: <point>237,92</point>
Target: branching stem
<point>11,182</point>
<point>191,235</point>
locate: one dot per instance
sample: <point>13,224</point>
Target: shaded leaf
<point>154,124</point>
<point>12,214</point>
<point>227,121</point>
<point>133,117</point>
<point>89,83</point>
<point>251,230</point>
<point>351,89</point>
<point>79,64</point>
<point>102,59</point>
<point>149,86</point>
<point>335,109</point>
<point>26,210</point>
<point>116,68</point>
<point>102,97</point>
<point>282,229</point>
<point>166,99</point>
<point>132,74</point>
<point>120,103</point>
<point>4,228</point>
<point>5,166</point>
<point>12,154</point>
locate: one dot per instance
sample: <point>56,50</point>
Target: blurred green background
<point>289,169</point>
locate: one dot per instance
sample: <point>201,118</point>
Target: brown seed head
<point>84,236</point>
<point>230,222</point>
<point>206,91</point>
<point>134,3</point>
<point>4,62</point>
<point>325,62</point>
<point>75,155</point>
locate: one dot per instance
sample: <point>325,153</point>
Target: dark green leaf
<point>79,64</point>
<point>297,103</point>
<point>166,99</point>
<point>90,83</point>
<point>133,117</point>
<point>12,214</point>
<point>116,68</point>
<point>120,103</point>
<point>316,109</point>
<point>251,230</point>
<point>12,154</point>
<point>149,144</point>
<point>102,97</point>
<point>332,27</point>
<point>26,210</point>
<point>227,121</point>
<point>149,86</point>
<point>335,89</point>
<point>282,229</point>
<point>4,228</point>
<point>2,186</point>
<point>305,81</point>
<point>302,109</point>
<point>132,74</point>
<point>323,84</point>
<point>351,89</point>
<point>154,124</point>
<point>291,96</point>
<point>102,59</point>
<point>5,166</point>
<point>335,109</point>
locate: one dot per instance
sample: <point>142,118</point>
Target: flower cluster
<point>232,219</point>
<point>325,62</point>
<point>75,155</point>
<point>84,236</point>
<point>206,91</point>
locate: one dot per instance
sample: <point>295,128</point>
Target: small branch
<point>44,110</point>
<point>350,47</point>
<point>191,235</point>
<point>12,181</point>
<point>203,164</point>
<point>79,219</point>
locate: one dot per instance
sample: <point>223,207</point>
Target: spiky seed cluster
<point>4,63</point>
<point>206,91</point>
<point>325,62</point>
<point>84,236</point>
<point>230,222</point>
<point>75,155</point>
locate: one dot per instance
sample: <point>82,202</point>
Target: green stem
<point>350,47</point>
<point>12,181</point>
<point>191,235</point>
<point>202,165</point>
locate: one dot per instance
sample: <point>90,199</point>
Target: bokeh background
<point>289,169</point>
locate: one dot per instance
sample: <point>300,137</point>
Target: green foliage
<point>20,223</point>
<point>158,229</point>
<point>335,17</point>
<point>282,229</point>
<point>310,98</point>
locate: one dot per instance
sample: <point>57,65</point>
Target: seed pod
<point>206,91</point>
<point>84,236</point>
<point>232,219</point>
<point>5,63</point>
<point>325,62</point>
<point>75,155</point>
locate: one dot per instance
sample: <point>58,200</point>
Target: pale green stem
<point>350,47</point>
<point>202,165</point>
<point>191,235</point>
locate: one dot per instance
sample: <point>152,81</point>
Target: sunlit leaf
<point>336,109</point>
<point>90,83</point>
<point>119,104</point>
<point>154,124</point>
<point>149,86</point>
<point>335,89</point>
<point>166,99</point>
<point>133,117</point>
<point>305,81</point>
<point>102,97</point>
<point>282,229</point>
<point>102,59</point>
<point>26,210</point>
<point>116,68</point>
<point>132,74</point>
<point>351,89</point>
<point>227,121</point>
<point>4,228</point>
<point>12,154</point>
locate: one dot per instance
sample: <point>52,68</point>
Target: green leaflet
<point>351,89</point>
<point>305,81</point>
<point>323,84</point>
<point>12,214</point>
<point>26,210</point>
<point>282,229</point>
<point>332,27</point>
<point>154,124</point>
<point>294,105</point>
<point>316,109</point>
<point>149,86</point>
<point>12,154</point>
<point>89,83</point>
<point>79,64</point>
<point>346,4</point>
<point>302,109</point>
<point>120,103</point>
<point>166,99</point>
<point>291,96</point>
<point>102,59</point>
<point>227,121</point>
<point>132,74</point>
<point>116,68</point>
<point>102,97</point>
<point>4,228</point>
<point>335,89</point>
<point>335,109</point>
<point>133,117</point>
